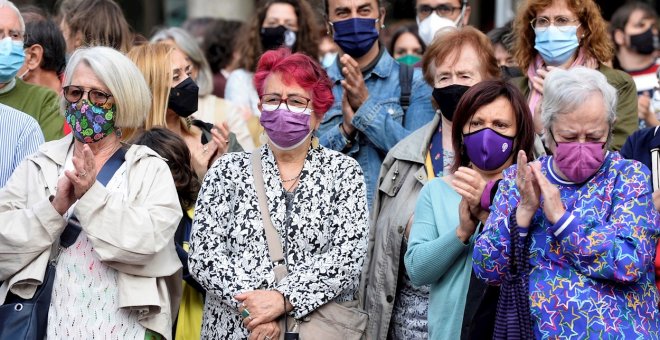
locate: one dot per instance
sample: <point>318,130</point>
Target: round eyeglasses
<point>561,22</point>
<point>294,103</point>
<point>73,94</point>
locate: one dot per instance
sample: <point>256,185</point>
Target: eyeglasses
<point>542,23</point>
<point>13,34</point>
<point>73,94</point>
<point>442,10</point>
<point>295,103</point>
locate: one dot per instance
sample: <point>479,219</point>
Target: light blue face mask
<point>556,46</point>
<point>12,57</point>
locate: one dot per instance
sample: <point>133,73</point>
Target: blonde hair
<point>129,90</point>
<point>153,61</point>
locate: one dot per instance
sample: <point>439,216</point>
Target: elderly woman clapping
<point>115,280</point>
<point>583,220</point>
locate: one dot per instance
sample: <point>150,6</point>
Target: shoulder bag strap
<point>272,236</point>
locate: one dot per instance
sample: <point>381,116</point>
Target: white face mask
<point>428,27</point>
<point>328,59</point>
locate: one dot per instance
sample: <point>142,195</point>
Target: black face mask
<point>643,42</point>
<point>183,98</point>
<point>447,98</point>
<point>274,37</point>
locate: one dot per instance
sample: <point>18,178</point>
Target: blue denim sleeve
<point>374,118</point>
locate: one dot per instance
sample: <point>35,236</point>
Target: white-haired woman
<point>210,108</point>
<point>119,278</point>
<point>583,226</point>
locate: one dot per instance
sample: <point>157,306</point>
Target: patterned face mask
<point>90,123</point>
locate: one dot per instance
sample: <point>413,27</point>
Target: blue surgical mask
<point>12,57</point>
<point>355,36</point>
<point>556,46</point>
<point>328,59</point>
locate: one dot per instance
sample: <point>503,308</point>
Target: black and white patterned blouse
<point>327,238</point>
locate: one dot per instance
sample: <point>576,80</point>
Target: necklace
<point>292,179</point>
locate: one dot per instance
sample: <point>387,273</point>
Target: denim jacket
<point>379,120</point>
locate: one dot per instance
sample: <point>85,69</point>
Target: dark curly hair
<point>249,46</point>
<point>172,147</point>
<point>218,43</point>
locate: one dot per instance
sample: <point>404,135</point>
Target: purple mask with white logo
<point>487,149</point>
<point>284,128</point>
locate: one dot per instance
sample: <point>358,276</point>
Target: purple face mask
<point>487,149</point>
<point>579,161</point>
<point>284,128</point>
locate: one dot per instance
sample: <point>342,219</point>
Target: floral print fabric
<point>326,241</point>
<point>90,123</point>
<point>591,272</point>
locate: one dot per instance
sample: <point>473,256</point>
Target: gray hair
<point>10,5</point>
<point>188,45</point>
<point>564,91</point>
<point>124,80</point>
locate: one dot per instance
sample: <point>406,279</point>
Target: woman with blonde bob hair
<point>564,34</point>
<point>122,267</point>
<point>210,108</point>
<point>164,67</point>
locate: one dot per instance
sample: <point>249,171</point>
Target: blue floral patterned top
<point>592,271</point>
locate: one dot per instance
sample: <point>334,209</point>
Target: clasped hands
<point>470,185</point>
<point>355,91</point>
<point>260,310</point>
<point>533,185</point>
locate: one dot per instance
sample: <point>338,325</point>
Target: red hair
<point>296,68</point>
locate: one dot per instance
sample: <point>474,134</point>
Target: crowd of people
<point>298,176</point>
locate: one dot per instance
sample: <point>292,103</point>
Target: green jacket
<point>626,110</point>
<point>39,102</point>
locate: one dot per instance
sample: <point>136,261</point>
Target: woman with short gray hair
<point>576,226</point>
<point>121,277</point>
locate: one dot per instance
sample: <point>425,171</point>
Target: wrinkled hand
<point>200,156</point>
<point>353,82</point>
<point>84,174</point>
<point>470,185</point>
<point>530,193</point>
<point>264,306</point>
<point>553,208</point>
<point>64,196</point>
<point>265,331</point>
<point>468,224</point>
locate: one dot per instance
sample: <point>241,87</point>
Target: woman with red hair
<point>316,213</point>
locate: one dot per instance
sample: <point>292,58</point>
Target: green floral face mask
<point>409,59</point>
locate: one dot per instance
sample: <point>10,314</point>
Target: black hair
<point>622,14</point>
<point>327,14</point>
<point>218,43</point>
<point>503,35</point>
<point>48,35</point>
<point>412,29</point>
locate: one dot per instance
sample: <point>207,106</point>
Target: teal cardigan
<point>436,256</point>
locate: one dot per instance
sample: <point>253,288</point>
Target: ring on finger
<point>268,338</point>
<point>82,174</point>
<point>245,313</point>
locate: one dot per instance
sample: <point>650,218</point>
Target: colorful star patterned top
<point>591,272</point>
